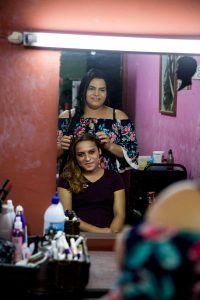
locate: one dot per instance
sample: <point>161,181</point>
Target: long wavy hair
<point>73,173</point>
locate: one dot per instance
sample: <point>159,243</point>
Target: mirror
<point>137,86</point>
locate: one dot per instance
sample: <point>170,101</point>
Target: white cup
<point>157,156</point>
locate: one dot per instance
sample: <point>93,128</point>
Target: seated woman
<point>96,195</point>
<point>160,259</point>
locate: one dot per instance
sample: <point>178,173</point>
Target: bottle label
<point>56,225</point>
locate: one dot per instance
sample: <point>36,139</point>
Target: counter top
<point>100,241</point>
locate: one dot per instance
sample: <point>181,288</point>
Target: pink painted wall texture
<point>152,17</point>
<point>28,127</point>
<point>161,132</point>
<point>29,81</point>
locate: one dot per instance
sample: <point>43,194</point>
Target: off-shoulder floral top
<point>160,264</point>
<point>120,132</point>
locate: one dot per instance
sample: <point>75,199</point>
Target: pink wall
<point>28,127</point>
<point>160,132</point>
<point>180,17</point>
<point>29,80</point>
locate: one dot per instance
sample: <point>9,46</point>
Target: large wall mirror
<point>145,86</point>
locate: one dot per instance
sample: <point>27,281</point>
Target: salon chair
<point>153,179</point>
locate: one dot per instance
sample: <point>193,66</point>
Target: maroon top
<point>94,204</point>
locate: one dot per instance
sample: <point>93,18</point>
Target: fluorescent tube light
<point>112,43</point>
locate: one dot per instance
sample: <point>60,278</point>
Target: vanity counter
<point>100,241</point>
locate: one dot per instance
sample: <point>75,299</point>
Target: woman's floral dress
<point>160,264</point>
<point>120,132</point>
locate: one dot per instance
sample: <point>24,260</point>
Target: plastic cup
<point>157,156</point>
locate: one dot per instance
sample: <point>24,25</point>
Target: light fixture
<point>112,43</point>
<point>15,37</point>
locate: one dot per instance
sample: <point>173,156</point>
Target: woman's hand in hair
<point>66,142</point>
<point>108,145</point>
<point>104,140</point>
<point>63,144</point>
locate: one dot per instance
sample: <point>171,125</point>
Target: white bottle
<point>5,223</point>
<point>11,210</point>
<point>54,215</point>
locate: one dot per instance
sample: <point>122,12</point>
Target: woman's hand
<point>65,142</point>
<point>109,145</point>
<point>84,226</point>
<point>106,230</point>
<point>104,140</point>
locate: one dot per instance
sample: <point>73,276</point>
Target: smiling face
<point>96,93</point>
<point>87,155</point>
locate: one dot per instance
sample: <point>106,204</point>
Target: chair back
<point>154,178</point>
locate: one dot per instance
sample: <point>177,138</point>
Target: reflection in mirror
<point>186,68</point>
<point>75,64</point>
<point>168,84</point>
<point>136,82</point>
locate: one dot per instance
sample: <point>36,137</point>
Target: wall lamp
<point>111,43</point>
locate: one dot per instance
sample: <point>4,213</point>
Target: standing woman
<point>112,126</point>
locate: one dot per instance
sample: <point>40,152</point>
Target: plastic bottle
<point>11,210</point>
<point>20,213</point>
<point>170,159</point>
<point>18,238</point>
<point>54,216</point>
<point>6,224</point>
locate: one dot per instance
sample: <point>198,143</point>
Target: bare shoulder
<point>65,114</point>
<point>120,114</point>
